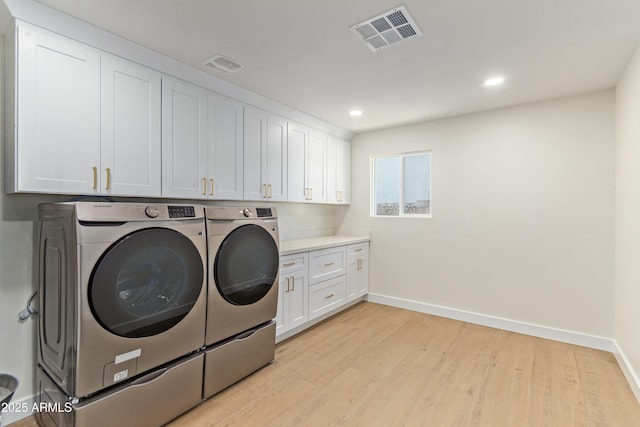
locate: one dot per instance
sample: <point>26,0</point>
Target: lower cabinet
<point>315,283</point>
<point>357,270</point>
<point>292,292</point>
<point>325,296</point>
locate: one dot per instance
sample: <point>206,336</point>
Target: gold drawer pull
<point>289,264</point>
<point>359,250</point>
<point>328,296</point>
<point>328,264</point>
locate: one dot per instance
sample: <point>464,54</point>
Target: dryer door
<point>146,282</point>
<point>246,265</point>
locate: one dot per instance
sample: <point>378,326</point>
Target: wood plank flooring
<point>375,365</point>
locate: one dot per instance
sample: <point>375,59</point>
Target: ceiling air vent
<point>386,29</point>
<point>222,63</point>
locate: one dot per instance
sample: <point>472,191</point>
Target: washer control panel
<point>181,211</point>
<point>264,212</point>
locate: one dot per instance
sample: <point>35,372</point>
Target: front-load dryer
<point>122,290</point>
<point>243,269</point>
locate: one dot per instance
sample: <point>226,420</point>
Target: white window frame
<point>372,196</point>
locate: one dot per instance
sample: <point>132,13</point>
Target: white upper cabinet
<point>255,144</point>
<point>297,170</point>
<point>225,148</point>
<point>130,126</point>
<point>184,140</point>
<point>275,184</point>
<point>265,156</point>
<point>54,117</point>
<point>338,171</point>
<point>87,123</point>
<point>82,121</point>
<point>316,161</point>
<point>306,167</point>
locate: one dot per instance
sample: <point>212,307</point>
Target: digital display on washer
<point>263,212</point>
<point>181,211</point>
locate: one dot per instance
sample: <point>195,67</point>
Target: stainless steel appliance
<point>243,262</point>
<point>122,294</point>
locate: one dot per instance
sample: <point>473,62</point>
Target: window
<point>401,185</point>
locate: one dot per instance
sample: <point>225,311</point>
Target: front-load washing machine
<point>122,290</point>
<point>243,293</point>
<point>243,269</point>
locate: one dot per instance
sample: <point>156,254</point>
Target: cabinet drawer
<point>294,262</point>
<point>327,263</point>
<point>326,296</point>
<point>360,250</point>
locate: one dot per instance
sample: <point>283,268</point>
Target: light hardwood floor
<point>374,365</point>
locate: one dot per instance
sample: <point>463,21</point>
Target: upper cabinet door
<point>130,126</point>
<point>316,159</point>
<point>255,159</point>
<point>297,170</point>
<point>275,185</point>
<point>184,140</point>
<point>225,148</point>
<point>338,171</point>
<point>56,144</point>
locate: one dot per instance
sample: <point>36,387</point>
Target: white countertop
<point>302,245</point>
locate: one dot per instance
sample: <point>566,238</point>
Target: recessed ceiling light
<point>355,113</point>
<point>494,81</point>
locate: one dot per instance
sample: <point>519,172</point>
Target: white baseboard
<point>570,337</point>
<point>628,371</point>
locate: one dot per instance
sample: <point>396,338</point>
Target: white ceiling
<point>302,53</point>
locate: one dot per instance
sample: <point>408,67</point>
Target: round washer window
<point>246,265</point>
<point>146,282</point>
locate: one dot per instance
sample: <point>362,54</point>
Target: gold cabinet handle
<point>212,187</point>
<point>329,264</point>
<point>293,284</point>
<point>358,250</point>
<point>328,296</point>
<point>204,186</point>
<point>287,282</point>
<point>108,187</point>
<point>270,191</point>
<point>95,178</point>
<point>289,264</point>
<point>264,191</point>
<point>310,193</point>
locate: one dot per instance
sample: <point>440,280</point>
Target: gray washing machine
<point>122,291</point>
<point>243,262</point>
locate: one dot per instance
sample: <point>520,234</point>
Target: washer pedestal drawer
<point>232,360</point>
<point>149,400</point>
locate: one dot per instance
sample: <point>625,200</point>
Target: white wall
<point>522,225</point>
<point>627,231</point>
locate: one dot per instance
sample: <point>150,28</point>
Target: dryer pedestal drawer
<point>150,400</point>
<point>231,361</point>
<point>326,296</point>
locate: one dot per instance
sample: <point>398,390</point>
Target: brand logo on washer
<point>102,205</point>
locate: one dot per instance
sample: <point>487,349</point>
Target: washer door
<point>246,265</point>
<point>146,282</point>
